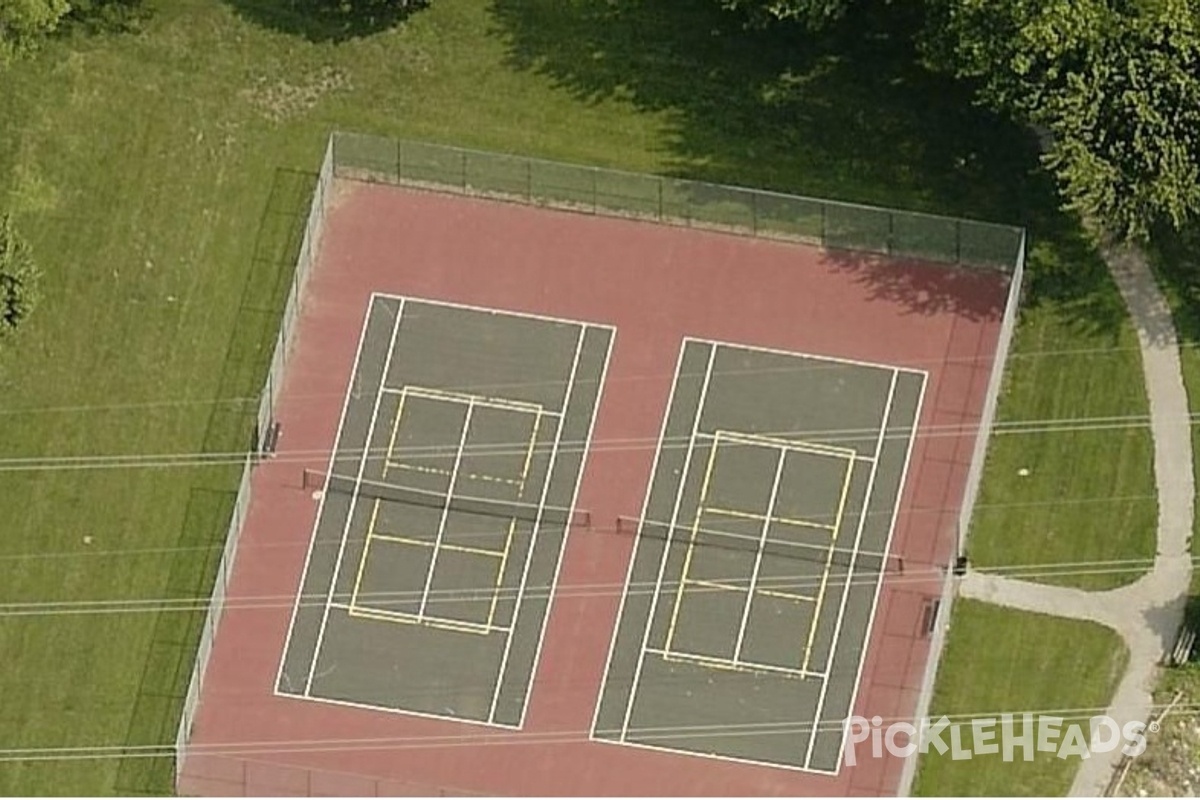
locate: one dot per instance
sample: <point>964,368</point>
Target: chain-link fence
<point>237,774</point>
<point>595,190</point>
<point>270,393</point>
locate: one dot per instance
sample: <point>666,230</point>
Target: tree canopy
<point>1116,85</point>
<point>22,22</point>
<point>19,279</point>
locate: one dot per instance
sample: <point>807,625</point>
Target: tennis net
<point>482,506</point>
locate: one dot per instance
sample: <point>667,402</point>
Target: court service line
<point>756,517</point>
<point>362,465</point>
<point>562,546</point>
<point>862,522</point>
<point>886,548</point>
<point>391,450</point>
<point>824,584</point>
<point>779,443</point>
<point>662,562</point>
<point>537,525</point>
<point>441,531</point>
<point>637,542</point>
<point>758,556</point>
<point>333,453</point>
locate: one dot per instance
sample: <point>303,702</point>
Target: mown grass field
<point>152,169</point>
<point>1025,671</point>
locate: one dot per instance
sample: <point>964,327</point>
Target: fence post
<point>529,180</point>
<point>399,161</point>
<point>464,171</point>
<point>660,199</point>
<point>595,190</point>
<point>754,213</point>
<point>824,213</point>
<point>958,241</point>
<point>891,232</point>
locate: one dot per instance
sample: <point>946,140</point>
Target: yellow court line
<point>512,524</point>
<point>751,667</point>
<point>362,562</point>
<point>533,435</point>
<point>756,517</point>
<point>475,476</point>
<point>812,630</point>
<point>687,559</point>
<point>402,618</point>
<point>785,444</point>
<point>785,595</point>
<point>502,403</point>
<point>387,460</point>
<point>458,548</point>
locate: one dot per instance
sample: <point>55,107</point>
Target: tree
<point>19,279</point>
<point>22,22</point>
<point>814,13</point>
<point>1116,85</point>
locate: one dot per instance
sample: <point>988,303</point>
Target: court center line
<point>441,531</point>
<point>362,465</point>
<point>758,556</point>
<point>662,562</point>
<point>862,522</point>
<point>537,525</point>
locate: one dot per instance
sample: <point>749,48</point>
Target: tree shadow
<point>327,20</point>
<point>851,113</point>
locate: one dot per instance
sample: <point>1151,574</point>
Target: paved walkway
<point>1146,613</point>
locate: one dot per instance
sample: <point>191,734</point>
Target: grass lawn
<point>160,173</point>
<point>1034,663</point>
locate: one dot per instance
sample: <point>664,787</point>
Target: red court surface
<point>656,285</point>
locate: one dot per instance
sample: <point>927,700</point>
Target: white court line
<point>403,711</point>
<point>862,522</point>
<point>662,563</point>
<point>886,549</point>
<point>312,542</point>
<point>726,664</point>
<point>779,443</point>
<point>562,547</point>
<point>533,536</point>
<point>406,618</point>
<point>637,542</point>
<point>714,756</point>
<point>465,398</point>
<point>758,556</point>
<point>503,312</point>
<point>810,356</point>
<point>362,464</point>
<point>437,541</point>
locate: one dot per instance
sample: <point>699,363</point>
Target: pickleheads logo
<point>1007,735</point>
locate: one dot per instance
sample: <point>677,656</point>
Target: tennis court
<point>760,552</point>
<point>450,492</point>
